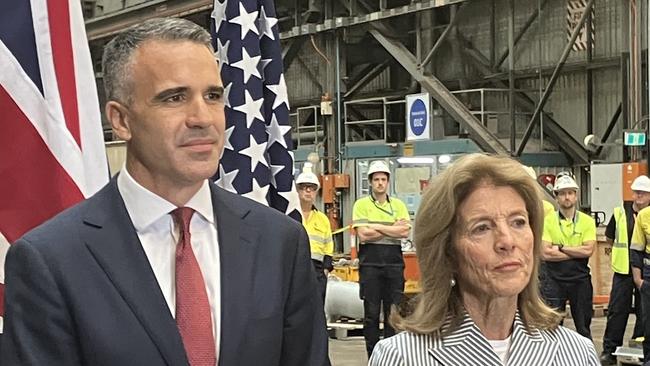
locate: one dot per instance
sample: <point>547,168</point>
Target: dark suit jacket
<point>80,291</point>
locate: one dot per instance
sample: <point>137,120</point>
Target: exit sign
<point>634,138</point>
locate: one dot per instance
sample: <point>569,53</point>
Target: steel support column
<point>551,82</point>
<point>443,36</point>
<point>552,128</point>
<point>610,127</point>
<point>520,35</point>
<point>366,78</point>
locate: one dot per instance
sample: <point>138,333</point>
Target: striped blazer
<point>466,346</point>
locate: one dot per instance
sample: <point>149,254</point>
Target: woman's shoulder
<point>401,347</point>
<point>570,343</point>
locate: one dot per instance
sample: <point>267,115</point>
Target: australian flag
<point>257,161</point>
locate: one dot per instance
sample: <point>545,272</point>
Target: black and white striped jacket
<point>466,346</point>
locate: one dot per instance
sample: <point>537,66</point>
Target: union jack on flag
<point>51,145</point>
<point>257,161</point>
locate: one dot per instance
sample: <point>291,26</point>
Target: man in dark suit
<point>161,267</point>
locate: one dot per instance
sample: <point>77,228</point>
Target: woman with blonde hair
<point>478,239</point>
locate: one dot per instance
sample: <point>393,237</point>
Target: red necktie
<point>192,306</point>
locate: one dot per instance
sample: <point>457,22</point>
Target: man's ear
<point>118,116</point>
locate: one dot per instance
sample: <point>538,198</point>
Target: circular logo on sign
<point>418,117</point>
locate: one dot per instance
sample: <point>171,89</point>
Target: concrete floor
<point>351,351</point>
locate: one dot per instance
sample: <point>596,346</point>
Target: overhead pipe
<point>554,76</point>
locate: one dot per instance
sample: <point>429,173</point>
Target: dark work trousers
<point>320,277</point>
<point>618,310</point>
<point>645,304</point>
<point>380,286</point>
<point>580,295</point>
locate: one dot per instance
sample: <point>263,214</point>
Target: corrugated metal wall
<point>548,32</point>
<point>302,89</point>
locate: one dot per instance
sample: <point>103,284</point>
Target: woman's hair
<point>436,222</point>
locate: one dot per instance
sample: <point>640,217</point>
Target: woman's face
<point>494,243</point>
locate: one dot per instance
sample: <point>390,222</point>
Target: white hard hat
<point>308,178</point>
<point>641,183</point>
<point>378,166</point>
<point>565,182</point>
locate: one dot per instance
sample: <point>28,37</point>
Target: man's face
<point>641,198</point>
<point>379,182</point>
<point>307,193</point>
<point>174,125</point>
<point>567,198</point>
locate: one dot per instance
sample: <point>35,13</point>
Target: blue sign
<point>418,117</point>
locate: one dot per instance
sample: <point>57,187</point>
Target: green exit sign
<point>634,138</point>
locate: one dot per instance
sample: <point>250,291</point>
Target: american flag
<point>257,160</point>
<point>51,145</point>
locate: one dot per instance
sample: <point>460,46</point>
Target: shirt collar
<point>145,207</point>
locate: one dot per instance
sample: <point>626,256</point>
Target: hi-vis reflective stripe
<point>319,239</point>
<point>318,257</point>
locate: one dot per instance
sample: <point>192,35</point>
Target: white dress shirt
<point>154,225</point>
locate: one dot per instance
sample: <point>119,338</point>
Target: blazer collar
<point>111,238</point>
<point>109,235</point>
<point>465,345</point>
<point>237,252</point>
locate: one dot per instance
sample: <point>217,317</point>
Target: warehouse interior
<point>560,85</point>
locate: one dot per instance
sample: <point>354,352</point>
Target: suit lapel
<point>530,348</point>
<point>237,253</point>
<point>112,240</point>
<point>463,346</point>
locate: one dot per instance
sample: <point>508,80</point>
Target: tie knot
<point>182,217</point>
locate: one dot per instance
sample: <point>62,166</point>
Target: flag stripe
<point>34,186</point>
<point>17,33</point>
<point>58,14</point>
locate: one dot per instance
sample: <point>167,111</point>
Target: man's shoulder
<point>586,218</point>
<point>66,223</point>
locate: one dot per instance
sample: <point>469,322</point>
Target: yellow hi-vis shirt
<point>641,234</point>
<point>568,232</point>
<point>548,207</point>
<point>620,251</point>
<point>368,211</point>
<point>319,230</point>
<point>571,232</point>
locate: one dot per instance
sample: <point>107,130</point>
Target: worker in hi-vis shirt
<point>624,293</point>
<point>317,226</point>
<point>568,241</point>
<point>381,222</point>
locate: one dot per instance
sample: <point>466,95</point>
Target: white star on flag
<point>256,152</point>
<point>280,91</point>
<point>226,179</point>
<point>219,13</point>
<point>294,204</point>
<point>226,95</point>
<point>276,132</point>
<point>248,65</point>
<point>246,20</point>
<point>258,193</point>
<point>227,144</point>
<point>222,52</point>
<point>266,24</point>
<point>275,169</point>
<point>251,108</point>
